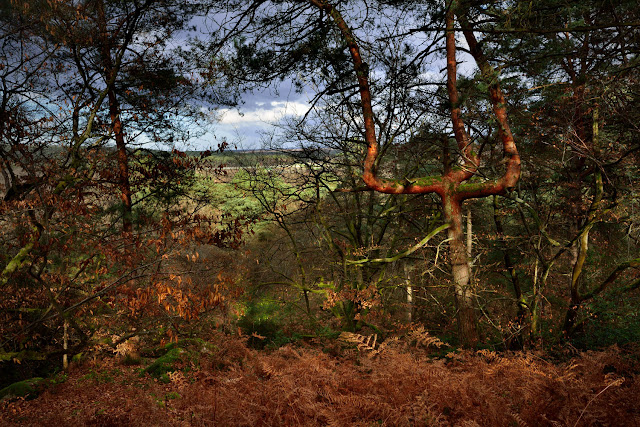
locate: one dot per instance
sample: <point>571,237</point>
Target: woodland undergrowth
<point>343,384</point>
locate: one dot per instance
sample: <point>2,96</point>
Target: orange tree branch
<point>499,104</point>
<point>470,167</point>
<point>370,177</point>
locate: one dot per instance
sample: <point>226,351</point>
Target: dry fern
<point>518,419</point>
<point>468,423</point>
<point>265,370</point>
<point>365,344</point>
<point>422,338</point>
<point>370,345</point>
<point>388,343</point>
<point>488,355</point>
<point>178,378</point>
<point>237,386</point>
<point>127,347</point>
<point>610,382</point>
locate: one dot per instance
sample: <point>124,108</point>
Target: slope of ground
<point>231,385</point>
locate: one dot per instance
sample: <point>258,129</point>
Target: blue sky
<point>245,126</point>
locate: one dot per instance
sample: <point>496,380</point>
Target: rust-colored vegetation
<point>229,384</point>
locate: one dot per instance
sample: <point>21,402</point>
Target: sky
<point>246,126</point>
<point>252,122</point>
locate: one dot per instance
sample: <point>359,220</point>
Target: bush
<point>612,322</point>
<point>263,322</point>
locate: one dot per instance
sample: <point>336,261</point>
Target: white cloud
<point>276,111</point>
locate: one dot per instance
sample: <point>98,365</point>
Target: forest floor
<point>228,384</point>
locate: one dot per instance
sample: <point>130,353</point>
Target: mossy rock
<point>21,356</point>
<point>165,363</point>
<point>24,388</point>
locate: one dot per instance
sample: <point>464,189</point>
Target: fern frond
<point>469,423</point>
<point>365,344</point>
<point>488,355</point>
<point>388,343</point>
<point>518,419</point>
<point>422,338</point>
<point>265,370</point>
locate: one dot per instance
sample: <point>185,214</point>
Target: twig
<point>614,383</point>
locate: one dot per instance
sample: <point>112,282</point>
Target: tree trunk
<point>461,272</point>
<point>582,244</point>
<point>123,164</point>
<point>409,294</point>
<point>469,239</point>
<point>116,123</point>
<point>449,185</point>
<point>65,345</point>
<point>536,304</point>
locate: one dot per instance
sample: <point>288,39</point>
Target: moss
<point>103,376</point>
<point>473,186</point>
<point>165,363</point>
<point>58,378</point>
<point>427,180</point>
<point>16,263</point>
<point>22,355</point>
<point>24,388</point>
<point>172,395</point>
<point>174,353</point>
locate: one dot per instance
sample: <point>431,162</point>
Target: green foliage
<point>59,378</point>
<point>103,376</point>
<point>172,395</point>
<point>164,378</point>
<point>612,321</point>
<point>174,356</point>
<point>263,321</point>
